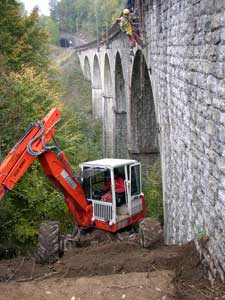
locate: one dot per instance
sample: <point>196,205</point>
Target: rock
<point>150,231</point>
<point>48,292</point>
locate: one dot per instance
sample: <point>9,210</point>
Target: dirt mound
<point>104,258</point>
<point>22,269</point>
<point>132,286</point>
<point>110,260</point>
<point>189,265</point>
<point>191,277</point>
<point>116,257</point>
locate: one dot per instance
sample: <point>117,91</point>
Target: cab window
<point>135,180</point>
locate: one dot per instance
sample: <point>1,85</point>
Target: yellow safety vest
<point>125,25</point>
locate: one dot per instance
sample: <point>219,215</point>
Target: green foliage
<point>24,97</point>
<point>77,90</point>
<point>82,142</point>
<point>28,90</point>
<point>76,15</point>
<point>27,96</point>
<point>35,199</point>
<point>52,28</point>
<point>7,221</point>
<point>154,193</point>
<point>22,40</point>
<point>200,232</point>
<point>83,134</point>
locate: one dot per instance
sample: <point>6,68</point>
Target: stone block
<point>150,231</point>
<point>211,128</point>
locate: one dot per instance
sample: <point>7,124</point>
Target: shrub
<point>154,193</point>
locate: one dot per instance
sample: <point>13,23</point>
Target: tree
<point>53,9</point>
<point>52,28</point>
<point>22,40</point>
<point>25,95</point>
<point>27,92</point>
<point>154,192</point>
<point>74,15</point>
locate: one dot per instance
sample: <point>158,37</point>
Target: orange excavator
<point>84,197</point>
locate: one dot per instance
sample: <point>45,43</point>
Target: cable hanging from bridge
<point>141,18</point>
<point>78,35</point>
<point>106,23</point>
<point>97,23</point>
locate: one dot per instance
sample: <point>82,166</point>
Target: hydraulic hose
<point>39,134</point>
<point>29,146</point>
<point>46,147</point>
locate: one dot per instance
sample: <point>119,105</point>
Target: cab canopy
<point>99,174</point>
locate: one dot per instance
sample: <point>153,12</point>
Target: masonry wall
<point>186,57</point>
<point>183,114</point>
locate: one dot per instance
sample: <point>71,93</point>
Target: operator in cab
<point>119,187</point>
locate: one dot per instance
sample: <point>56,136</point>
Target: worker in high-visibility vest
<point>125,23</point>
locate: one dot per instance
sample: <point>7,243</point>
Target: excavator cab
<point>113,187</point>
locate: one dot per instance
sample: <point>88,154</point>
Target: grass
<point>154,193</point>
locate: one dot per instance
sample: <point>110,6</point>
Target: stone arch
<point>96,89</point>
<point>120,111</point>
<point>97,81</point>
<point>144,144</point>
<point>107,110</point>
<point>107,78</point>
<point>87,69</point>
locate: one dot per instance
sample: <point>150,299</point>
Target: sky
<point>42,4</point>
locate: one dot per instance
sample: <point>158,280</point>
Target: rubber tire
<point>49,242</point>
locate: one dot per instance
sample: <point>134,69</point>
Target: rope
<point>78,36</point>
<point>46,147</point>
<point>106,23</point>
<point>97,22</point>
<point>142,19</point>
<point>140,14</point>
<point>141,74</point>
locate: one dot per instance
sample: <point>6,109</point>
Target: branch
<point>20,266</point>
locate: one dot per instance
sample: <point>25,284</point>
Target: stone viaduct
<point>167,102</point>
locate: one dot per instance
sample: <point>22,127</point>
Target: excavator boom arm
<point>58,170</point>
<point>35,144</point>
<point>26,150</point>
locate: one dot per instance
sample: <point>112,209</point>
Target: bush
<point>27,93</point>
<point>154,193</point>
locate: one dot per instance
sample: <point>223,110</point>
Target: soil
<point>111,269</point>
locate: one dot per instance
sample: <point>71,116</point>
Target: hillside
<point>76,92</point>
<point>76,97</point>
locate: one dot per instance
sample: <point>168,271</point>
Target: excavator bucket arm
<point>30,145</point>
<point>58,170</point>
<point>33,144</point>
